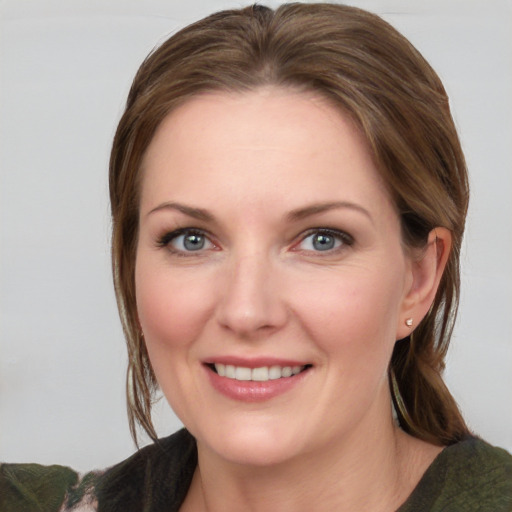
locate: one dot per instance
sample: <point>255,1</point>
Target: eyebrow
<point>294,215</point>
<point>196,213</point>
<point>316,209</point>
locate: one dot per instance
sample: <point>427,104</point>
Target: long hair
<point>374,75</point>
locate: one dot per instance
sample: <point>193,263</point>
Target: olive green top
<point>470,476</point>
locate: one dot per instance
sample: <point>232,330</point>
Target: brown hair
<point>372,73</point>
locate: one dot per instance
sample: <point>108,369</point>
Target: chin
<point>255,445</point>
<point>251,453</point>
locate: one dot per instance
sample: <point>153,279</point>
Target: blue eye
<point>190,241</point>
<point>186,240</point>
<point>324,240</point>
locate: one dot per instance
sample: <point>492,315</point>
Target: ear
<point>426,270</point>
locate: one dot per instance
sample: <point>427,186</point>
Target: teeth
<point>242,373</point>
<point>274,372</point>
<point>286,371</point>
<point>261,374</point>
<point>296,369</point>
<point>230,371</point>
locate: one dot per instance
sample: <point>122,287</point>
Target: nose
<point>252,299</point>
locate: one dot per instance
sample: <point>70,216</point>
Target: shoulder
<point>155,478</point>
<point>470,475</point>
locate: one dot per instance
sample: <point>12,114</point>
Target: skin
<point>260,288</point>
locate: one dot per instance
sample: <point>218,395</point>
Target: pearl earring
<point>408,322</point>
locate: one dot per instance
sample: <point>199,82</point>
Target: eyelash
<point>165,240</point>
<point>341,236</point>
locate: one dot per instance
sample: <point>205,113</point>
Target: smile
<point>261,374</point>
<point>256,381</point>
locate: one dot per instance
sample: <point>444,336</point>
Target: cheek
<point>172,310</point>
<point>352,312</point>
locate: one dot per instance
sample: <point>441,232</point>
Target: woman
<point>288,198</point>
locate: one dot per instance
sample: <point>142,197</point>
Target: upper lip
<point>255,362</point>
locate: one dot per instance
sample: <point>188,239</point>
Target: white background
<point>66,67</point>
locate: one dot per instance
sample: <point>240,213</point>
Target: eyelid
<point>164,241</point>
<point>346,239</point>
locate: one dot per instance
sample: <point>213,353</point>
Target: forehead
<point>255,115</point>
<point>266,142</point>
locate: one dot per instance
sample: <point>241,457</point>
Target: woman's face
<point>270,275</point>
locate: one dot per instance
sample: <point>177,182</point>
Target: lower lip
<point>253,391</point>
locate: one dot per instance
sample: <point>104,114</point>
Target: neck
<point>375,472</point>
